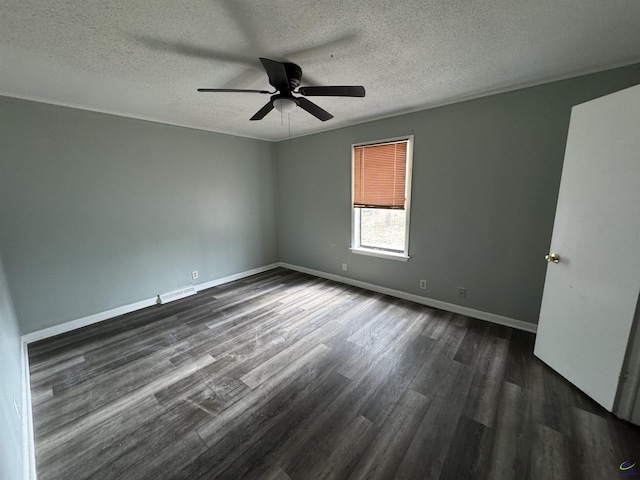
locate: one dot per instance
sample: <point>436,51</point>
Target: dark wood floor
<point>284,375</point>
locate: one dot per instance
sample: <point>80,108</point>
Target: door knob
<point>552,258</point>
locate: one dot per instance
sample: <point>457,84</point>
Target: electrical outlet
<point>194,274</point>
<point>462,292</point>
<point>344,267</point>
<point>423,284</point>
<point>15,404</point>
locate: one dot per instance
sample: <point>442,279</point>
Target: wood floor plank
<point>321,432</point>
<point>50,370</point>
<point>213,378</point>
<point>551,458</point>
<point>437,322</point>
<point>166,435</point>
<point>439,361</point>
<point>471,347</point>
<point>518,368</point>
<point>281,416</point>
<point>276,473</point>
<point>593,435</point>
<point>56,462</point>
<point>469,451</point>
<point>382,458</point>
<point>109,387</point>
<point>347,450</point>
<point>288,356</point>
<point>283,375</point>
<point>308,456</point>
<point>488,381</point>
<point>234,337</point>
<point>316,441</point>
<point>408,333</point>
<point>212,431</point>
<point>91,421</point>
<point>507,459</point>
<point>394,385</point>
<point>429,446</point>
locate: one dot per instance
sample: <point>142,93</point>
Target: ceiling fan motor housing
<point>294,74</point>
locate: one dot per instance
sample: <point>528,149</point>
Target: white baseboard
<point>115,312</point>
<point>449,307</point>
<point>237,276</point>
<point>28,444</point>
<point>84,321</point>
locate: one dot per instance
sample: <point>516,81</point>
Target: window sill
<point>379,253</point>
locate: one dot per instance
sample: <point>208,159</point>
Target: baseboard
<point>237,276</point>
<point>28,444</point>
<point>115,312</point>
<point>85,321</point>
<point>450,307</point>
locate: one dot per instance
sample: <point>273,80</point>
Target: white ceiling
<point>145,59</point>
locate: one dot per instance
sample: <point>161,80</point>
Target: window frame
<point>356,211</point>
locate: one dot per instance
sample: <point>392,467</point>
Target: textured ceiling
<point>145,59</point>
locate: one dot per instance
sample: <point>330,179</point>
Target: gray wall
<point>99,211</point>
<point>486,175</point>
<point>10,386</point>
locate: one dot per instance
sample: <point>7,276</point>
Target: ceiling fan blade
<point>277,74</point>
<point>232,90</point>
<point>314,109</point>
<point>260,114</point>
<point>335,91</point>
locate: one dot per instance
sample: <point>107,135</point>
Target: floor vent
<point>176,294</point>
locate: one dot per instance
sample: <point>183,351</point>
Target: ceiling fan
<point>285,78</point>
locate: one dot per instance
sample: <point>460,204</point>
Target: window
<point>381,192</point>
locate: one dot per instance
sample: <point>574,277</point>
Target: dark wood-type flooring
<point>284,375</point>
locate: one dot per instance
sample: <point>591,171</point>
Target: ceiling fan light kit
<point>284,105</point>
<point>285,77</point>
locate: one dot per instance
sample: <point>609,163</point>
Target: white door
<point>590,295</point>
